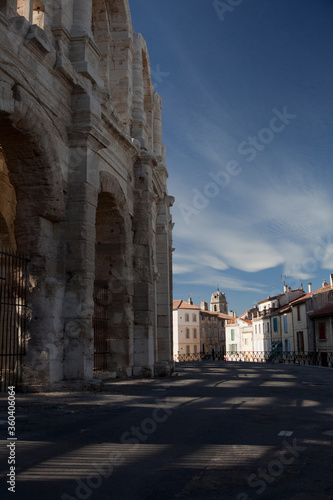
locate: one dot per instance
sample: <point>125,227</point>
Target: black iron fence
<point>13,317</point>
<point>297,358</point>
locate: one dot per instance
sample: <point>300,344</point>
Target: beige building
<point>198,330</point>
<point>83,189</point>
<point>186,330</point>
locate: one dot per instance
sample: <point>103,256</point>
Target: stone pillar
<point>163,363</point>
<point>121,79</point>
<point>157,133</point>
<point>79,235</point>
<point>80,270</point>
<point>144,300</point>
<point>8,8</point>
<point>138,116</point>
<point>82,17</point>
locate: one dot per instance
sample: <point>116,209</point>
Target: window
<point>232,348</point>
<point>215,332</point>
<point>203,331</point>
<point>322,331</point>
<point>215,308</point>
<point>187,333</point>
<point>232,334</point>
<point>194,318</point>
<point>255,329</point>
<point>259,328</point>
<point>287,346</point>
<point>300,341</point>
<point>195,333</point>
<point>195,349</point>
<point>32,11</point>
<point>187,349</point>
<point>187,318</point>
<point>285,323</point>
<point>275,325</point>
<point>298,313</point>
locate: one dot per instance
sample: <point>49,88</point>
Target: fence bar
<point>13,307</point>
<point>298,358</point>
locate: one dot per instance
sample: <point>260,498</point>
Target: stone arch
<point>120,15</point>
<point>34,201</point>
<point>113,291</point>
<point>34,168</point>
<point>112,28</point>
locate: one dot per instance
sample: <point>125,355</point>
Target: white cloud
<point>275,224</point>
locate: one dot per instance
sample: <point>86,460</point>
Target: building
<point>272,322</point>
<point>83,189</point>
<point>186,330</point>
<point>210,324</point>
<point>239,339</point>
<point>309,312</point>
<point>218,303</point>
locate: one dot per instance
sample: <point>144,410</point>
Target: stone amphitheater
<point>83,190</point>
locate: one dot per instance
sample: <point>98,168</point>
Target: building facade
<point>83,185</point>
<point>186,330</point>
<point>198,330</point>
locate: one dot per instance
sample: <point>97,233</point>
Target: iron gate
<point>100,325</point>
<point>13,307</point>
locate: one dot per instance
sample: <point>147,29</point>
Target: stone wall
<point>83,185</point>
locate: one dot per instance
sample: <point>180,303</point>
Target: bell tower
<point>218,303</point>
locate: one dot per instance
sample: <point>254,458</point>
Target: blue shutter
<point>275,324</point>
<point>285,322</point>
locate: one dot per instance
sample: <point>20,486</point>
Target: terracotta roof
<point>248,321</point>
<point>283,309</point>
<point>323,311</point>
<point>225,316</point>
<point>308,296</point>
<point>181,304</point>
<point>215,315</point>
<point>280,295</point>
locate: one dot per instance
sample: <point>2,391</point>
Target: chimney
<point>310,287</point>
<point>331,278</point>
<point>204,306</point>
<point>324,283</point>
<point>285,288</point>
<point>190,301</point>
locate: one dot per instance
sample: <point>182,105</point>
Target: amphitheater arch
<point>113,321</point>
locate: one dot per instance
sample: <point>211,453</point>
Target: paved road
<point>215,430</point>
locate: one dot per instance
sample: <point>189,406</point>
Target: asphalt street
<point>214,430</point>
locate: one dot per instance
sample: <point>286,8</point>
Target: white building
<point>271,331</point>
<point>239,338</point>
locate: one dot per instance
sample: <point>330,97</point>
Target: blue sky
<point>247,123</point>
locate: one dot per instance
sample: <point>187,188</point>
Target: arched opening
<point>102,36</point>
<point>112,325</point>
<point>7,208</point>
<point>30,199</point>
<point>32,11</point>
